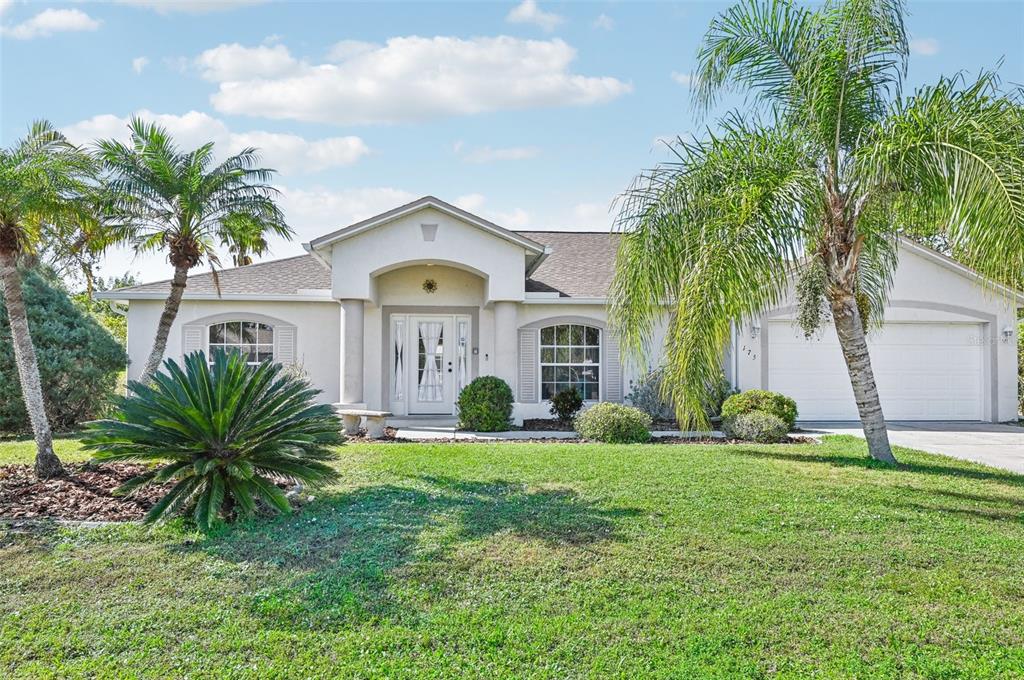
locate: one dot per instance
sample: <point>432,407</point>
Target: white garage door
<point>924,371</point>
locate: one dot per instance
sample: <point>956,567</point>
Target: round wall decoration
<point>430,286</point>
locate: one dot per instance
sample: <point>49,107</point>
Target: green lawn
<point>544,560</point>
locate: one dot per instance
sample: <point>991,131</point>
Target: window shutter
<point>192,340</point>
<point>612,368</point>
<point>529,339</point>
<point>284,337</point>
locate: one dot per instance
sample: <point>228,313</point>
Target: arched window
<point>570,356</point>
<point>254,340</point>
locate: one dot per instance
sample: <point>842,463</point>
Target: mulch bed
<point>86,493</point>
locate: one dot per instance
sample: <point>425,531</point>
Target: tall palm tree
<point>813,183</point>
<point>45,192</point>
<point>184,203</point>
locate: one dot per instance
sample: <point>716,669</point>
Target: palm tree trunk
<point>166,320</point>
<point>855,350</point>
<point>47,464</point>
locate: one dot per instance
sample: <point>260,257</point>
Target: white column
<point>352,352</point>
<point>505,342</point>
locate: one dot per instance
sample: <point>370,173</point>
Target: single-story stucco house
<point>398,312</point>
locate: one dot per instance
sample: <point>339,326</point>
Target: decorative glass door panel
<point>432,380</point>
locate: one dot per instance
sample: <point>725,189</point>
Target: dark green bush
<point>756,426</point>
<point>485,405</point>
<point>222,434</point>
<point>761,400</point>
<point>566,404</point>
<point>79,361</point>
<point>614,424</point>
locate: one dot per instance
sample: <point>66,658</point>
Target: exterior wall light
<point>1007,333</point>
<point>755,330</point>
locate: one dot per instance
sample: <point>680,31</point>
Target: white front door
<point>432,378</point>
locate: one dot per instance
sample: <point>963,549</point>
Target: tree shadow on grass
<point>342,558</point>
<point>954,469</point>
<point>947,501</point>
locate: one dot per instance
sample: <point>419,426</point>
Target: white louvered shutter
<point>612,368</point>
<point>529,339</point>
<point>284,337</point>
<point>192,340</point>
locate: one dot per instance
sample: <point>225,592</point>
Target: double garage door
<point>924,371</point>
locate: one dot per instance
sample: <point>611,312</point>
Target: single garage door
<point>924,371</point>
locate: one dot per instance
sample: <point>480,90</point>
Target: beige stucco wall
<point>317,339</point>
<point>923,291</point>
<point>357,259</point>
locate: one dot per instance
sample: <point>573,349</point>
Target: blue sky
<point>533,114</point>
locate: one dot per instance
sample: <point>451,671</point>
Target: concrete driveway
<point>994,444</point>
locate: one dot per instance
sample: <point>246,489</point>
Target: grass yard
<point>548,560</point>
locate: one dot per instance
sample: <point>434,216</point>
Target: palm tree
<point>184,203</point>
<point>243,237</point>
<point>44,198</point>
<point>813,183</point>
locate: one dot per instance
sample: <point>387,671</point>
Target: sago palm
<point>46,197</point>
<point>815,181</point>
<point>184,203</point>
<point>221,434</point>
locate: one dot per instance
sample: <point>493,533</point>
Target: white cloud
<point>685,79</point>
<point>527,12</point>
<point>319,210</point>
<point>604,22</point>
<point>190,6</point>
<point>925,47</point>
<point>487,154</point>
<point>51,21</point>
<point>139,63</point>
<point>5,5</point>
<point>477,204</point>
<point>234,62</point>
<point>346,49</point>
<point>410,79</point>
<point>309,212</point>
<point>287,153</point>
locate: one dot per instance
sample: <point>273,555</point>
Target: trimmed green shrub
<point>761,400</point>
<point>614,424</point>
<point>79,361</point>
<point>223,435</point>
<point>485,405</point>
<point>566,404</point>
<point>756,426</point>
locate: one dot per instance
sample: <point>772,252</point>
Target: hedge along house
<point>400,311</point>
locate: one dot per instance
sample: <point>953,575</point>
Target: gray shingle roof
<point>276,277</point>
<point>581,264</point>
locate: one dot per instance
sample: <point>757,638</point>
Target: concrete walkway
<point>437,428</point>
<point>995,444</point>
<point>432,432</point>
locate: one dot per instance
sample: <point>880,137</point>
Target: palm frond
<point>712,239</point>
<point>224,430</point>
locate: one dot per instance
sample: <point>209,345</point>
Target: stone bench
<point>375,421</point>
